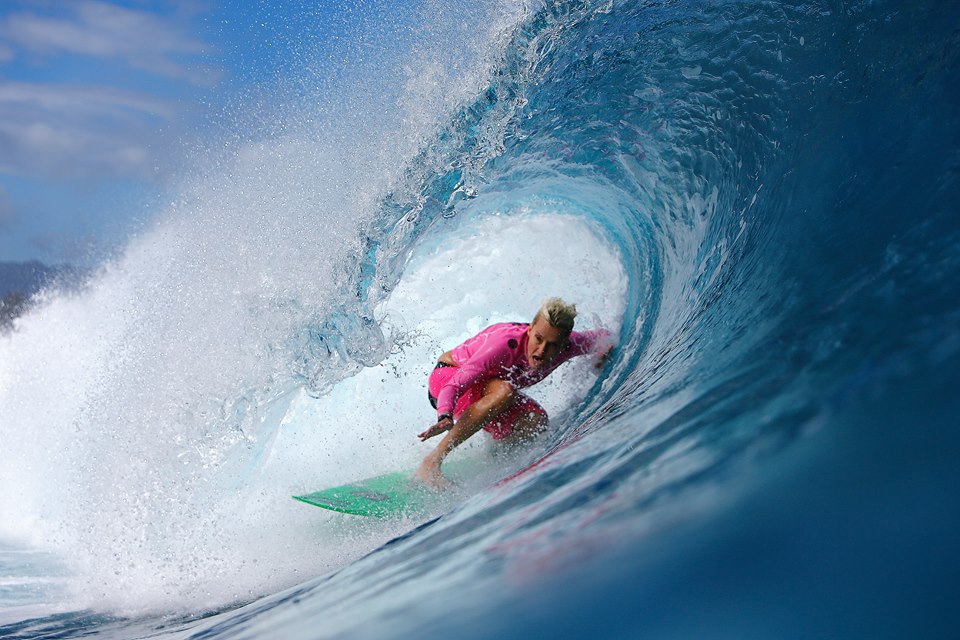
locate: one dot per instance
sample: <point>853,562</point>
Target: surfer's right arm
<point>497,394</point>
<point>487,359</point>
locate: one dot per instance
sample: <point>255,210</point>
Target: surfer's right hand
<point>445,424</point>
<point>429,474</point>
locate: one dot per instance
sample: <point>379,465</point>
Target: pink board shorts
<point>500,427</point>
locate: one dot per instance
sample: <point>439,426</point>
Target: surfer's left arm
<point>597,341</point>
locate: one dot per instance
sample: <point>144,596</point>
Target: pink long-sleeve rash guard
<point>499,351</point>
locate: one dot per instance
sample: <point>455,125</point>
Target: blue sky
<point>97,95</point>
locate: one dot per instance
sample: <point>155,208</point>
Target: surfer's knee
<point>530,424</point>
<point>500,392</point>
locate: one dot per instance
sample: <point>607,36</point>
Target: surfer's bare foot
<point>429,473</point>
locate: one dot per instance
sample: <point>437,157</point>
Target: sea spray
<point>135,412</point>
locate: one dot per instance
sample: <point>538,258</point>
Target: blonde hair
<point>558,313</point>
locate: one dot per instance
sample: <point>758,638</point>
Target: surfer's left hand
<point>602,360</point>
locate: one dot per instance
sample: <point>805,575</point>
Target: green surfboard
<point>392,494</point>
<point>380,497</point>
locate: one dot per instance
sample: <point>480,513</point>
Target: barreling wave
<point>760,198</point>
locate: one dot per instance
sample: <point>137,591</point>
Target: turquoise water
<point>759,198</point>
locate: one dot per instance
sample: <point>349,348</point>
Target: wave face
<point>760,198</point>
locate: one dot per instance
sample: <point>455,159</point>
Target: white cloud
<point>81,101</point>
<point>61,131</point>
<point>139,39</point>
<point>64,129</point>
<point>91,92</point>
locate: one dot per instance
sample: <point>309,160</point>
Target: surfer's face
<point>544,342</point>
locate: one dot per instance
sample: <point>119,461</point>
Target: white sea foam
<point>151,425</point>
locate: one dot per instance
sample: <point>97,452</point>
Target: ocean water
<point>758,198</point>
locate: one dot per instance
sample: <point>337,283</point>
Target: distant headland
<point>20,281</point>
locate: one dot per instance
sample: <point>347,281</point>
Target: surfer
<point>475,385</point>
